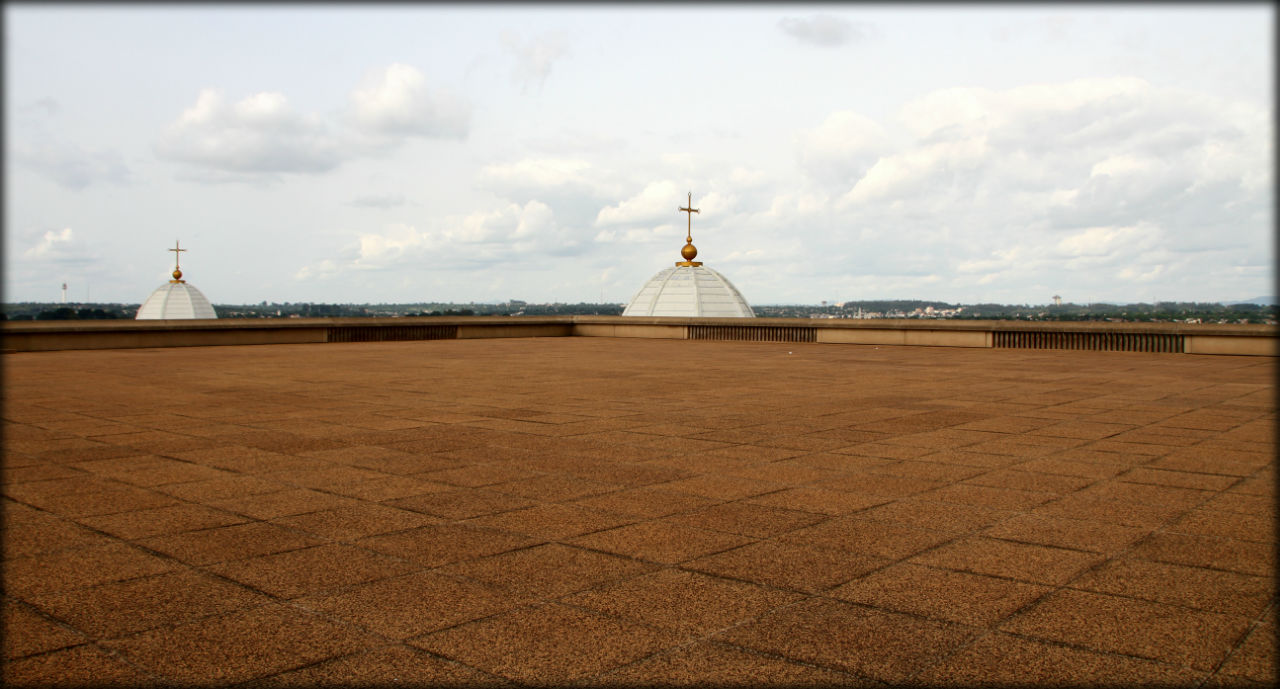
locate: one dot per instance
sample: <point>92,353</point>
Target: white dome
<point>175,299</point>
<point>689,291</point>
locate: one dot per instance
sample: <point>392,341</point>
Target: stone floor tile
<point>1009,661</point>
<point>808,569</point>
<point>884,646</point>
<point>524,645</point>
<point>746,519</point>
<point>387,666</point>
<point>311,571</point>
<point>1246,557</point>
<point>30,632</point>
<point>722,487</point>
<point>225,488</point>
<point>547,571</point>
<point>441,544</point>
<point>80,666</point>
<point>43,533</point>
<point>1254,659</point>
<point>856,533</point>
<point>1177,479</point>
<point>1170,634</point>
<point>660,542</point>
<point>707,664</point>
<point>819,500</point>
<point>953,518</point>
<point>356,521</point>
<point>110,499</point>
<point>81,567</point>
<point>412,604</point>
<point>1060,532</point>
<point>552,521</point>
<point>463,503</point>
<point>646,502</point>
<point>161,520</point>
<point>124,607</point>
<point>1125,513</point>
<point>971,599</point>
<point>1022,561</point>
<point>220,544</point>
<point>282,503</point>
<point>787,471</point>
<point>1194,587</point>
<point>1009,499</point>
<point>1018,479</point>
<point>1229,525</point>
<point>878,484</point>
<point>240,646</point>
<point>682,601</point>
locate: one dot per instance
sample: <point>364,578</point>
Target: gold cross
<point>690,210</point>
<point>176,248</point>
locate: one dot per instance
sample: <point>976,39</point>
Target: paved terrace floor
<point>551,511</point>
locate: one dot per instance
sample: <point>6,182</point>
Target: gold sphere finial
<point>177,275</point>
<point>688,251</point>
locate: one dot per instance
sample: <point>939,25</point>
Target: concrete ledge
<point>472,332</point>
<point>35,336</point>
<point>668,332</point>
<point>1240,346</point>
<point>885,336</point>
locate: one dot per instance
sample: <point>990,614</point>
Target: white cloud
<point>825,30</point>
<point>533,59</point>
<point>52,244</point>
<point>258,134</point>
<point>395,102</point>
<point>261,134</point>
<point>843,147</point>
<point>652,204</point>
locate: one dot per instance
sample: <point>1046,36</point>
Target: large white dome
<point>176,299</point>
<point>689,291</point>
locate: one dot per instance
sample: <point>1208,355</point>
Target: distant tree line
<point>1207,312</point>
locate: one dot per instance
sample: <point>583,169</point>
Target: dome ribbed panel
<point>175,300</point>
<point>689,291</point>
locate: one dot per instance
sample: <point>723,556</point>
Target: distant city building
<point>1057,301</point>
<point>176,299</point>
<point>689,288</point>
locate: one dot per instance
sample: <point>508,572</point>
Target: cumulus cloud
<point>507,234</point>
<point>652,204</point>
<point>58,247</point>
<point>825,30</point>
<point>843,147</point>
<point>258,134</point>
<point>263,135</point>
<point>395,102</point>
<point>1107,183</point>
<point>534,58</point>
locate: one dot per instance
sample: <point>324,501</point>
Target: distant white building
<point>689,288</point>
<point>176,298</point>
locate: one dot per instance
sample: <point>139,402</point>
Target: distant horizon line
<point>1262,300</point>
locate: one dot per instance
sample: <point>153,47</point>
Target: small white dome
<point>175,299</point>
<point>689,291</point>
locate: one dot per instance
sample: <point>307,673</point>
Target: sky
<point>836,152</point>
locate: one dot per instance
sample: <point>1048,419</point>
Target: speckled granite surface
<point>630,512</point>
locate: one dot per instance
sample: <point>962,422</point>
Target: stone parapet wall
<point>1248,340</point>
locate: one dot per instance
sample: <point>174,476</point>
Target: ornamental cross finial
<point>689,251</point>
<point>177,270</point>
<point>690,210</point>
<point>177,247</point>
